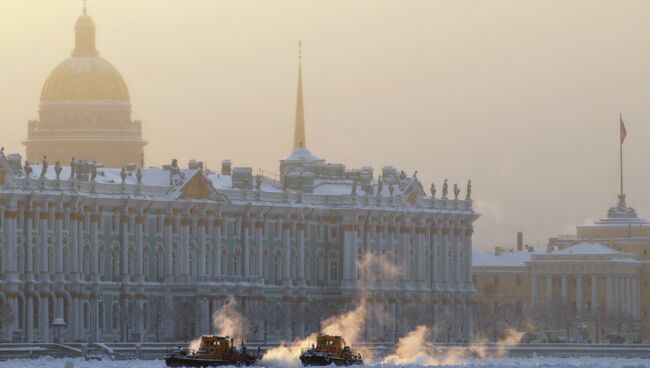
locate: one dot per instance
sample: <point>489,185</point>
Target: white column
<point>247,247</point>
<point>637,297</point>
<point>578,294</point>
<point>405,250</point>
<point>610,292</point>
<point>458,243</point>
<point>300,267</point>
<point>216,240</point>
<point>594,294</point>
<point>445,257</point>
<point>354,255</point>
<point>124,244</point>
<point>564,289</point>
<point>348,229</point>
<point>201,251</point>
<point>29,317</point>
<point>94,246</point>
<point>29,257</point>
<point>549,289</point>
<point>167,235</point>
<point>43,235</point>
<point>469,278</point>
<point>44,319</point>
<point>379,246</point>
<point>628,295</point>
<point>138,262</point>
<point>286,253</point>
<point>533,291</point>
<point>58,245</point>
<point>259,238</point>
<point>184,259</point>
<point>73,247</point>
<point>621,294</point>
<point>420,257</point>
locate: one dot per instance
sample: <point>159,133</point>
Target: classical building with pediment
<point>592,286</point>
<point>139,253</point>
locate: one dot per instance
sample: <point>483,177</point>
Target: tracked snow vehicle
<point>330,350</point>
<point>214,351</point>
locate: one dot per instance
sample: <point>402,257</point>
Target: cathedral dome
<point>85,78</point>
<point>85,75</point>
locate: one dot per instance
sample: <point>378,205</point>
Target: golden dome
<point>85,75</point>
<point>85,78</point>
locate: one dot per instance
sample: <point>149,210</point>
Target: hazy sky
<point>520,96</point>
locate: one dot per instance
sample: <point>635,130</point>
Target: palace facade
<point>91,253</point>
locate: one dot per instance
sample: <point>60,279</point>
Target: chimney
<point>520,241</point>
<point>497,251</point>
<point>226,166</point>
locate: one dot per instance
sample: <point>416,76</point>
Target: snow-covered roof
<point>301,154</point>
<point>504,259</point>
<point>589,248</point>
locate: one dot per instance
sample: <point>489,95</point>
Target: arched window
<point>145,316</point>
<point>277,268</point>
<point>86,316</point>
<point>86,260</point>
<point>115,265</point>
<point>115,316</point>
<point>100,310</point>
<point>236,263</point>
<point>224,262</point>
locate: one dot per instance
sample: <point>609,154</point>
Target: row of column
<point>450,253</point>
<point>622,292</point>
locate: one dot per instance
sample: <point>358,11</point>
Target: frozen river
<point>542,362</point>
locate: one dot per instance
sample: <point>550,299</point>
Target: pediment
<point>199,187</point>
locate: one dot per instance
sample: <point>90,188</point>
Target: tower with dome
<point>85,110</point>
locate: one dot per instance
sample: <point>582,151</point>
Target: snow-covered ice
<point>540,362</point>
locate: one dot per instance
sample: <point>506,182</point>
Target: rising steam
<point>227,321</point>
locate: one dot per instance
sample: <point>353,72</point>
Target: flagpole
<point>620,143</point>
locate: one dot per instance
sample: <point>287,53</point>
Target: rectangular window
<point>334,270</point>
<point>518,280</point>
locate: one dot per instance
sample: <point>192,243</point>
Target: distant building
<point>593,284</point>
<point>85,110</point>
<point>146,254</point>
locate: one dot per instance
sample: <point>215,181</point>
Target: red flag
<point>623,130</point>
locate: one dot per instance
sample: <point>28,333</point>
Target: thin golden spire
<point>299,131</point>
<point>85,10</point>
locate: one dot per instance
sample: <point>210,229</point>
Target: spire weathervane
<point>299,131</point>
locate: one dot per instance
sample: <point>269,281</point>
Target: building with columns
<point>592,284</point>
<point>149,254</point>
<point>85,110</point>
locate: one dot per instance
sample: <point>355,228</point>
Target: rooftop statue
<point>468,192</point>
<point>138,175</point>
<point>123,174</point>
<point>72,168</point>
<point>57,169</point>
<point>44,167</point>
<point>93,171</point>
<point>258,182</point>
<point>456,191</point>
<point>445,189</point>
<point>433,190</point>
<point>28,169</point>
